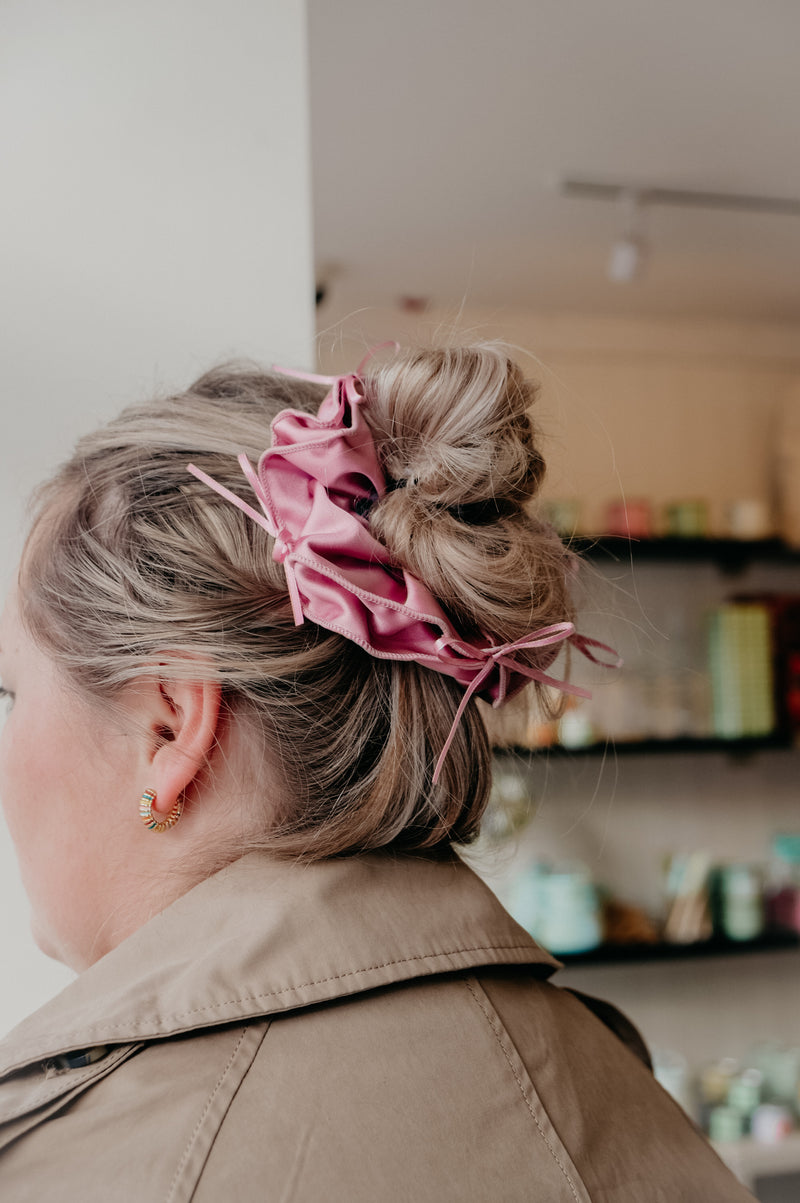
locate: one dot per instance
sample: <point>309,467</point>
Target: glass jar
<point>742,902</point>
<point>569,916</point>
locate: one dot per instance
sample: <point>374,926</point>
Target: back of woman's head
<point>133,565</point>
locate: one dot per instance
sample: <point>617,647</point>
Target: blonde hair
<point>134,560</point>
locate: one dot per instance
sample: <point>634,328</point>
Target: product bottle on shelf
<point>783,883</point>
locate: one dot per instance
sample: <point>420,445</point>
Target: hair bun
<point>456,442</point>
<point>454,424</point>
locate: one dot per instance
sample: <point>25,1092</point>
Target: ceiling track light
<point>626,260</point>
<point>628,252</point>
<point>686,198</point>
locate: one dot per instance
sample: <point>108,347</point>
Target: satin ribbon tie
<point>500,658</point>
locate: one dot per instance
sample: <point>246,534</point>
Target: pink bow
<point>312,484</point>
<point>499,659</point>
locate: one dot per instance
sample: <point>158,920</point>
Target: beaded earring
<point>149,819</point>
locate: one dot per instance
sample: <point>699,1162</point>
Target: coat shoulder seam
<point>502,1037</point>
<point>202,1118</point>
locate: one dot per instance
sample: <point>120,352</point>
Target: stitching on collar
<point>65,1037</point>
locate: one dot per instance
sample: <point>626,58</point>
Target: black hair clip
<point>480,513</point>
<point>363,505</point>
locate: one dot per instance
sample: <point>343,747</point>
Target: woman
<point>242,745</point>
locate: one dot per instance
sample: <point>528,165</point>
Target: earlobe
<point>184,730</point>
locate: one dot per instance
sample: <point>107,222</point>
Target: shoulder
<point>445,1088</point>
<point>468,1087</point>
<point>139,1126</point>
<point>346,1031</point>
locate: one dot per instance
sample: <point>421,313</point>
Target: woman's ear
<point>182,727</point>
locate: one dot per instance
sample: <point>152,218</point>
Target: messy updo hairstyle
<point>133,563</point>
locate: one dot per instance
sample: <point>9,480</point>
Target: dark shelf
<point>635,954</point>
<point>732,555</point>
<point>650,747</point>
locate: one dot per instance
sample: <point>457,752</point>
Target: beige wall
<point>661,409</point>
<point>667,409</point>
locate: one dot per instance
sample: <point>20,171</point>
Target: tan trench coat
<point>358,1030</point>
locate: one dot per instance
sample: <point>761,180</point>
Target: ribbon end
<point>294,594</point>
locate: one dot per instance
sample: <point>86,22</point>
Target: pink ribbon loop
<point>234,500</point>
<point>501,658</point>
<point>313,485</point>
<point>583,643</point>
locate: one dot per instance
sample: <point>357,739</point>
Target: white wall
<point>154,218</point>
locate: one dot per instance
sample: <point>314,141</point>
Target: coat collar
<point>263,937</point>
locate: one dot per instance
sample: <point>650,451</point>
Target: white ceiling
<point>440,128</point>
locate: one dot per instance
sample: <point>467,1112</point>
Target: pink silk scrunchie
<point>310,485</point>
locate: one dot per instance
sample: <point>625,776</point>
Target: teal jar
<point>725,1124</point>
<point>741,902</point>
<point>525,899</point>
<point>569,915</point>
<point>744,1093</point>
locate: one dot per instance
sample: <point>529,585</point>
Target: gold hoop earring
<point>150,820</point>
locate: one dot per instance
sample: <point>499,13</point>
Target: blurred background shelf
<point>633,954</point>
<point>750,1160</point>
<point>731,555</point>
<point>649,747</point>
